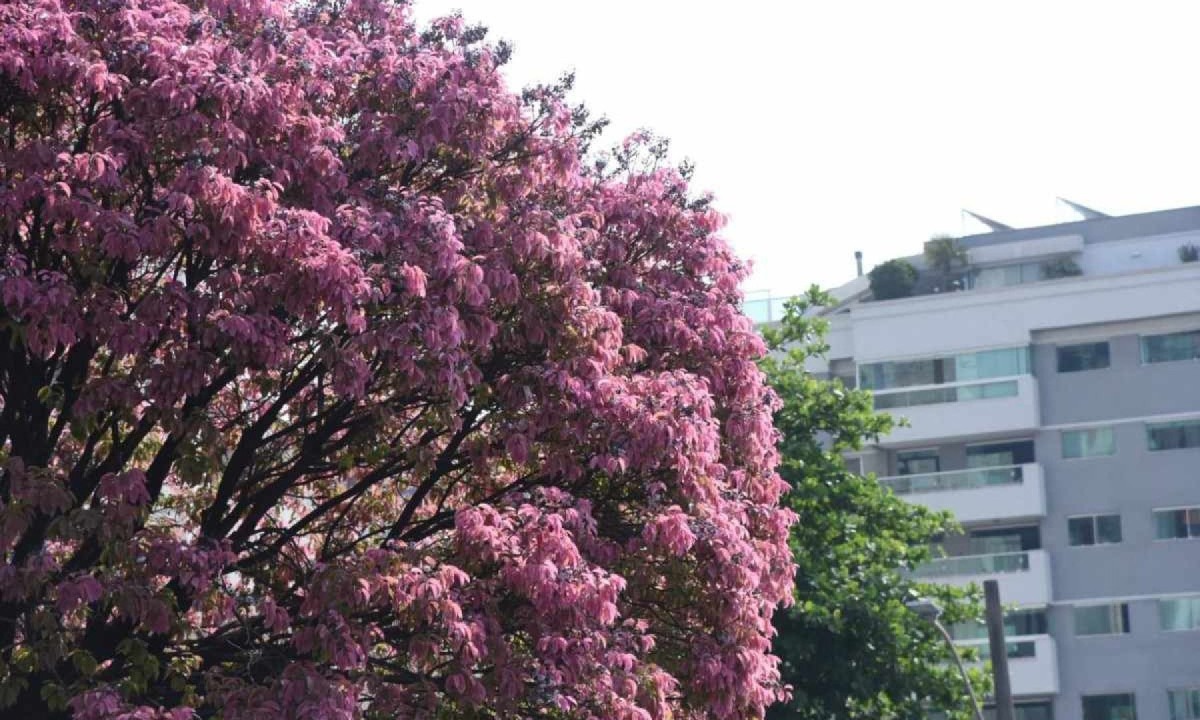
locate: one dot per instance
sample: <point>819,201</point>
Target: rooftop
<point>1018,256</point>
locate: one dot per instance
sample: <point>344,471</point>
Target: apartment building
<point>1052,391</point>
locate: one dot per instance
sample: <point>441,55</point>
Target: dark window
<point>917,462</point>
<point>1171,347</point>
<point>1109,707</point>
<point>1094,529</point>
<point>1177,524</point>
<point>1102,619</point>
<point>1086,356</point>
<point>1004,540</point>
<point>1025,622</point>
<point>1173,435</point>
<point>998,454</point>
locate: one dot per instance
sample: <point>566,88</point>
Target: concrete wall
<point>1132,482</point>
<point>1146,662</point>
<point>1123,390</point>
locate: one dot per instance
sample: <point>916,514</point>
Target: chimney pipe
<point>858,261</point>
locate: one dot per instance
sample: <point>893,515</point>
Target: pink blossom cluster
<point>339,381</point>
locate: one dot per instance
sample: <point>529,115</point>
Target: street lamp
<point>931,611</point>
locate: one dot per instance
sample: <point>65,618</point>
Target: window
<point>1006,362</point>
<point>1177,524</point>
<point>1109,707</point>
<point>1184,704</point>
<point>1087,356</point>
<point>1094,530</point>
<point>1173,435</point>
<point>917,462</point>
<point>1171,347</point>
<point>1179,613</point>
<point>1003,540</point>
<point>1000,454</point>
<point>1025,711</point>
<point>1102,619</point>
<point>1006,275</point>
<point>1091,442</point>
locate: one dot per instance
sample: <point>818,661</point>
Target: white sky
<point>828,127</point>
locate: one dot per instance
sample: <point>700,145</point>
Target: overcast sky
<point>828,127</point>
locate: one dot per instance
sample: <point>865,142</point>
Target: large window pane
<point>1108,528</point>
<point>1173,435</point>
<point>1081,531</point>
<point>1102,619</point>
<point>917,462</point>
<point>1184,704</point>
<point>1171,524</point>
<point>1179,613</point>
<point>1171,347</point>
<point>1087,356</point>
<point>1005,362</point>
<point>1091,442</point>
<point>1004,540</point>
<point>994,454</point>
<point>1109,707</point>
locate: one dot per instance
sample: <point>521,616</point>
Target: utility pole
<point>999,650</point>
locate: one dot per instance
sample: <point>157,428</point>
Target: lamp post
<point>931,611</point>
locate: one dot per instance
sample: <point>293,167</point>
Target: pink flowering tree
<point>336,383</point>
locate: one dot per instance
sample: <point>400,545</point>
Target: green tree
<point>944,254</point>
<point>850,646</point>
<point>892,279</point>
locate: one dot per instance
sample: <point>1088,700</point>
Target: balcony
<point>1024,577</point>
<point>990,493</point>
<point>962,409</point>
<point>1032,663</point>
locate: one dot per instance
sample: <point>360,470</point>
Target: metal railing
<point>975,565</point>
<point>955,479</point>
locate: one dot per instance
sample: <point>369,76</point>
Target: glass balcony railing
<point>975,565</point>
<point>950,394</point>
<point>955,480</point>
<point>765,309</point>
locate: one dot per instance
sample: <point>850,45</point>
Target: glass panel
<point>1005,362</point>
<point>964,480</point>
<point>975,565</point>
<point>1171,524</point>
<point>1171,347</point>
<point>992,454</point>
<point>1102,619</point>
<point>1181,703</point>
<point>1013,539</point>
<point>1081,531</point>
<point>1184,704</point>
<point>1108,528</point>
<point>1025,622</point>
<point>917,462</point>
<point>1088,443</point>
<point>1174,435</point>
<point>1016,623</point>
<point>1179,614</point>
<point>935,396</point>
<point>1109,707</point>
<point>1087,356</point>
<point>1193,522</point>
<point>759,311</point>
